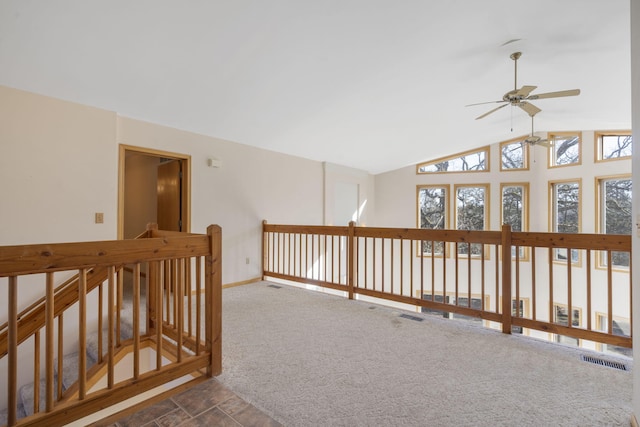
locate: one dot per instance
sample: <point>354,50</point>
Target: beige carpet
<point>312,359</point>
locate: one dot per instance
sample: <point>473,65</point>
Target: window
<point>470,161</point>
<point>472,202</point>
<point>621,326</point>
<point>514,200</point>
<point>561,317</point>
<point>514,155</point>
<point>614,213</point>
<point>565,215</point>
<point>433,210</point>
<point>564,149</point>
<point>613,146</point>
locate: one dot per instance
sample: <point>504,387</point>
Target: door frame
<point>186,182</point>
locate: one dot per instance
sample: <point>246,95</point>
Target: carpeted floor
<point>312,359</point>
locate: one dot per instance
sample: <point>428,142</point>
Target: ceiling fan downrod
<point>515,56</point>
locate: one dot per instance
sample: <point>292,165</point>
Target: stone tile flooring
<point>206,404</point>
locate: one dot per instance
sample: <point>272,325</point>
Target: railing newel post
<point>265,250</point>
<point>351,247</point>
<point>506,279</point>
<point>213,300</point>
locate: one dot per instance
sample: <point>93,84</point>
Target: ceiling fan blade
<point>492,111</point>
<point>524,91</point>
<point>572,92</point>
<point>529,108</point>
<point>544,143</point>
<point>482,103</point>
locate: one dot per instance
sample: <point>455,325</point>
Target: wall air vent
<point>410,317</point>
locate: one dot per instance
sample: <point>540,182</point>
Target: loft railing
<point>117,298</point>
<point>567,287</point>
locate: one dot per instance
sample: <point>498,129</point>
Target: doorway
<point>154,187</point>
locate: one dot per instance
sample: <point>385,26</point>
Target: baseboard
<point>243,282</point>
<point>233,284</point>
<point>634,421</point>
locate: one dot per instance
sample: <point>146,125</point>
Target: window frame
<point>598,149</point>
<point>486,212</point>
<point>526,154</point>
<point>524,256</point>
<point>551,149</point>
<point>599,180</point>
<point>487,156</point>
<point>552,216</point>
<point>447,216</point>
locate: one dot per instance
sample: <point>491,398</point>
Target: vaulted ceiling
<point>371,84</point>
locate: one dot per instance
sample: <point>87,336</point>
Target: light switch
<point>99,217</point>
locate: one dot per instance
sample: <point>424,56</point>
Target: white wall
<point>251,185</point>
<point>340,184</point>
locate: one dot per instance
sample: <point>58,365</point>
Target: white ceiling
<point>371,84</point>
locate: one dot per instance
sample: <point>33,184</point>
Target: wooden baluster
<point>392,262</point>
<point>159,285</point>
<point>517,282</point>
<point>609,293</point>
<point>482,277</point>
<point>12,351</point>
<point>533,282</point>
<point>60,351</point>
<point>588,271</point>
<point>457,272</point>
<point>444,272</point>
<point>497,269</point>
<point>569,290</point>
<point>179,297</point>
<point>36,373</point>
<point>198,301</point>
<point>469,277</point>
<point>111,271</point>
<point>167,290</point>
<point>433,271</point>
<point>506,279</point>
<point>120,287</point>
<point>100,310</point>
<point>551,314</point>
<point>188,297</point>
<point>49,341</point>
<point>382,251</point>
<point>411,268</point>
<point>176,295</point>
<point>82,331</point>
<point>136,321</point>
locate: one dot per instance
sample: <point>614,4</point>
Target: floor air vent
<point>604,362</point>
<point>410,317</point>
<point>274,286</point>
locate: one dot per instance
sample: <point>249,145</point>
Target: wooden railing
<point>171,281</point>
<point>548,285</point>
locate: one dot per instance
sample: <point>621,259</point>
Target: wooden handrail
<point>98,263</point>
<point>380,268</point>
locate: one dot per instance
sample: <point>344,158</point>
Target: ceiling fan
<point>535,140</point>
<point>520,97</point>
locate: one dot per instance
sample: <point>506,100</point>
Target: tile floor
<point>207,404</point>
